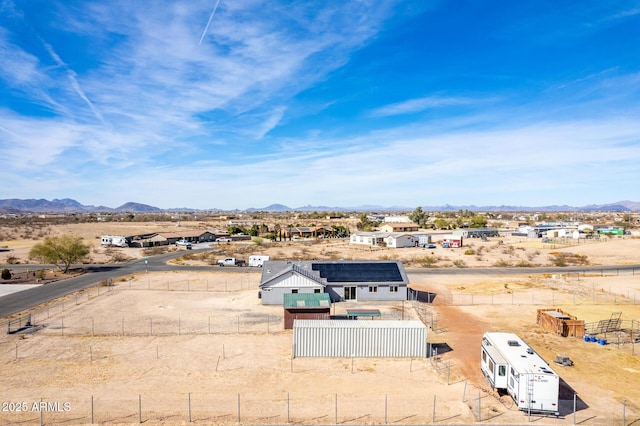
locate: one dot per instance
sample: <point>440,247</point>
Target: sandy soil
<point>163,347</point>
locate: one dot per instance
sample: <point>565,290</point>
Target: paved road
<point>23,300</point>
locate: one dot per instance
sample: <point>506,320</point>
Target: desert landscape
<point>181,347</point>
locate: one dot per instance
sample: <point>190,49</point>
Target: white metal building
<point>359,339</point>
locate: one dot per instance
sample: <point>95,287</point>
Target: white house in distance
<point>390,239</point>
<point>343,280</point>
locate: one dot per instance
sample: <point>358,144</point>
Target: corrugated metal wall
<point>359,339</point>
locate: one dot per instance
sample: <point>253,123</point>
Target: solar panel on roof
<point>358,272</point>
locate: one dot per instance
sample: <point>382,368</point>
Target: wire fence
<point>471,405</point>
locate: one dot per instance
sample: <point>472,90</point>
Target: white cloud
<point>420,104</point>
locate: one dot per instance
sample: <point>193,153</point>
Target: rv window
<point>491,365</point>
<point>502,370</point>
<point>484,357</point>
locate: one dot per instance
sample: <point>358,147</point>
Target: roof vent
<point>530,351</point>
<point>513,343</point>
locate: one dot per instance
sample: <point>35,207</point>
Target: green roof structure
<point>306,300</point>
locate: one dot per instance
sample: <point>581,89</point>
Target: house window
<point>393,289</point>
<point>316,290</point>
<point>294,291</point>
<point>502,370</point>
<point>373,289</point>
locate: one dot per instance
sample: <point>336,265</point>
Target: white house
<point>342,280</point>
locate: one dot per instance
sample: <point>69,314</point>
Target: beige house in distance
<point>399,227</point>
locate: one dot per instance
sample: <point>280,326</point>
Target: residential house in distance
<point>399,227</point>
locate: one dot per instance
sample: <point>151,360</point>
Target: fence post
<point>433,415</point>
<point>189,407</point>
<point>385,408</point>
<point>479,408</point>
<point>238,407</point>
<point>336,409</point>
<point>92,422</point>
<point>288,409</point>
<point>139,408</point>
<point>624,417</point>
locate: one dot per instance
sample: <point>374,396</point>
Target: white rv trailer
<point>510,364</point>
<point>257,260</point>
<point>113,240</point>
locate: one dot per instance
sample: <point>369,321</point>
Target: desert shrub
<point>501,263</point>
<point>565,259</point>
<point>259,241</point>
<point>524,264</point>
<point>469,252</point>
<point>332,255</point>
<point>428,261</point>
<point>153,251</point>
<point>459,263</point>
<point>6,274</point>
<point>508,250</point>
<point>41,274</point>
<point>384,257</point>
<point>12,260</point>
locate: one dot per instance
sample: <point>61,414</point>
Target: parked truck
<point>231,261</point>
<point>509,364</point>
<point>257,260</point>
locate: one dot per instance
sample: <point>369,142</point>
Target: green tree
<point>478,221</point>
<point>441,224</point>
<point>65,250</point>
<point>419,217</point>
<point>365,223</point>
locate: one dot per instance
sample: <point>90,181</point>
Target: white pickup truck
<point>231,261</point>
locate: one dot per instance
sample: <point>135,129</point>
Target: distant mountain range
<point>67,205</point>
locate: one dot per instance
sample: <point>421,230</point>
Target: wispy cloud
<point>420,104</point>
<point>269,95</point>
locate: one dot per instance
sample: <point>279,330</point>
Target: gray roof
<point>332,272</point>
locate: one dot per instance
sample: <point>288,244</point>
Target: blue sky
<point>238,104</point>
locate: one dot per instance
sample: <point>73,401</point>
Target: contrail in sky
<point>213,12</point>
<point>71,75</point>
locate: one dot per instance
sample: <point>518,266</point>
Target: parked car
<point>184,243</point>
<point>431,246</point>
<point>223,240</point>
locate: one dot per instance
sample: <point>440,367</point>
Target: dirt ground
<point>167,348</point>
